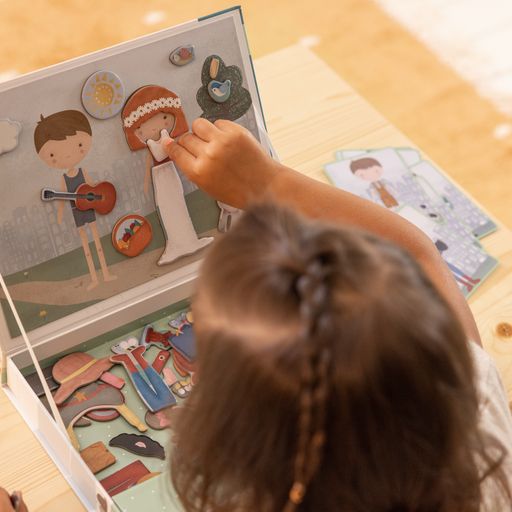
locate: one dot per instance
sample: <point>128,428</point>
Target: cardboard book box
<point>101,241</point>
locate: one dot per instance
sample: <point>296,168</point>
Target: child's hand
<point>225,160</point>
<point>6,504</point>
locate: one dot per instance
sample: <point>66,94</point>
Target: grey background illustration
<point>29,232</point>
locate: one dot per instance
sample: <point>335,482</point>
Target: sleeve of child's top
<point>494,407</point>
<point>496,419</point>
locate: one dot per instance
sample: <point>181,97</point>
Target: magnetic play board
<point>42,255</point>
<point>101,236</point>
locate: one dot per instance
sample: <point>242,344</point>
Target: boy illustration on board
<point>62,140</point>
<point>369,169</point>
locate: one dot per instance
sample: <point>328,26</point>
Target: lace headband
<point>149,107</point>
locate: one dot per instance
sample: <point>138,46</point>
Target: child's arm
<point>226,161</point>
<point>147,174</point>
<point>60,205</point>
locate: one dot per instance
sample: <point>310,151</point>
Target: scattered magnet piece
<point>182,388</point>
<point>184,343</point>
<point>214,67</point>
<point>162,419</point>
<point>97,457</point>
<point>127,477</point>
<point>95,396</point>
<point>182,55</point>
<point>131,235</point>
<point>147,382</point>
<point>76,370</point>
<point>160,360</point>
<point>103,94</point>
<point>232,106</point>
<point>9,135</point>
<point>219,91</point>
<point>151,337</point>
<point>139,445</point>
<point>182,364</point>
<point>101,415</point>
<point>169,377</point>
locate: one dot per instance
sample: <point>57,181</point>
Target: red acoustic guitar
<point>100,197</point>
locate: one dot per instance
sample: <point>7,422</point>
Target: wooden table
<point>311,112</point>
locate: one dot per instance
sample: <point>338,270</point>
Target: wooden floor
<point>397,74</point>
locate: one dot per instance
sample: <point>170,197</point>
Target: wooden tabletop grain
<point>310,112</point>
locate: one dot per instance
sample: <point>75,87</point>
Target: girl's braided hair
<point>312,288</point>
<point>332,376</point>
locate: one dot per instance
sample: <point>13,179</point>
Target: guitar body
<point>103,205</point>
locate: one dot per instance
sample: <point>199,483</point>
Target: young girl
<point>335,371</point>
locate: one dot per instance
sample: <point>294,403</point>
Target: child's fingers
<point>5,501</point>
<point>225,126</point>
<point>192,143</point>
<point>182,157</point>
<point>21,504</point>
<point>204,129</point>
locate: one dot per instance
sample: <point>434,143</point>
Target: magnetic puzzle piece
<point>145,114</point>
<point>222,95</point>
<point>169,377</point>
<point>219,91</point>
<point>89,398</point>
<point>127,477</point>
<point>131,234</point>
<point>101,197</point>
<point>147,382</point>
<point>103,95</point>
<point>79,369</point>
<point>184,343</point>
<point>214,67</point>
<point>158,420</point>
<point>182,55</point>
<point>97,457</point>
<point>101,415</point>
<point>157,147</point>
<point>229,215</point>
<point>160,360</point>
<point>9,135</point>
<point>164,419</point>
<point>150,337</point>
<point>182,365</point>
<point>139,445</point>
<point>182,388</point>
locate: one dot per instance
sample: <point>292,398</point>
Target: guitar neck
<point>50,195</point>
<point>64,195</point>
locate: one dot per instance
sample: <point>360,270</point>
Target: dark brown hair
<point>60,125</point>
<point>332,377</point>
<point>363,163</point>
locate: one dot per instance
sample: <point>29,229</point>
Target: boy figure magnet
<point>62,140</point>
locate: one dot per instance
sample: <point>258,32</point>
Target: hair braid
<point>313,291</point>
